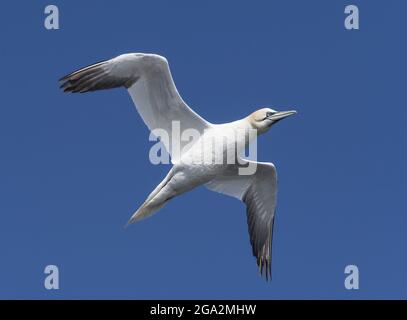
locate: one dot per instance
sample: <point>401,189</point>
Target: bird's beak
<point>279,115</point>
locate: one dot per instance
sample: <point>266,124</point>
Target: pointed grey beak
<point>281,115</point>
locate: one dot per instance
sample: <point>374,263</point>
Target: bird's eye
<point>269,114</point>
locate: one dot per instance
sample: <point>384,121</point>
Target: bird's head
<point>263,119</point>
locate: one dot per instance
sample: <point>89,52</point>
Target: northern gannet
<point>149,82</point>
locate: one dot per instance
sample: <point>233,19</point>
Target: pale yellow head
<point>263,119</point>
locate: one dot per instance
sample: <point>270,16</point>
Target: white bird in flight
<point>149,82</point>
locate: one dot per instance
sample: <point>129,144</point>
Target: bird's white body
<point>205,160</point>
<point>219,144</point>
<point>213,157</point>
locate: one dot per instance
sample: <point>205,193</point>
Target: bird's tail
<point>144,211</point>
<point>154,202</point>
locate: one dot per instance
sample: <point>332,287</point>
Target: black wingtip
<point>73,81</point>
<point>264,265</point>
<point>64,78</point>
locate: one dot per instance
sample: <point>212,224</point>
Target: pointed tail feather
<point>154,202</point>
<point>144,211</point>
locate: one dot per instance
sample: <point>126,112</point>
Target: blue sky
<point>74,167</point>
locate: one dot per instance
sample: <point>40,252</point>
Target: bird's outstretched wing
<point>148,79</point>
<point>259,193</point>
